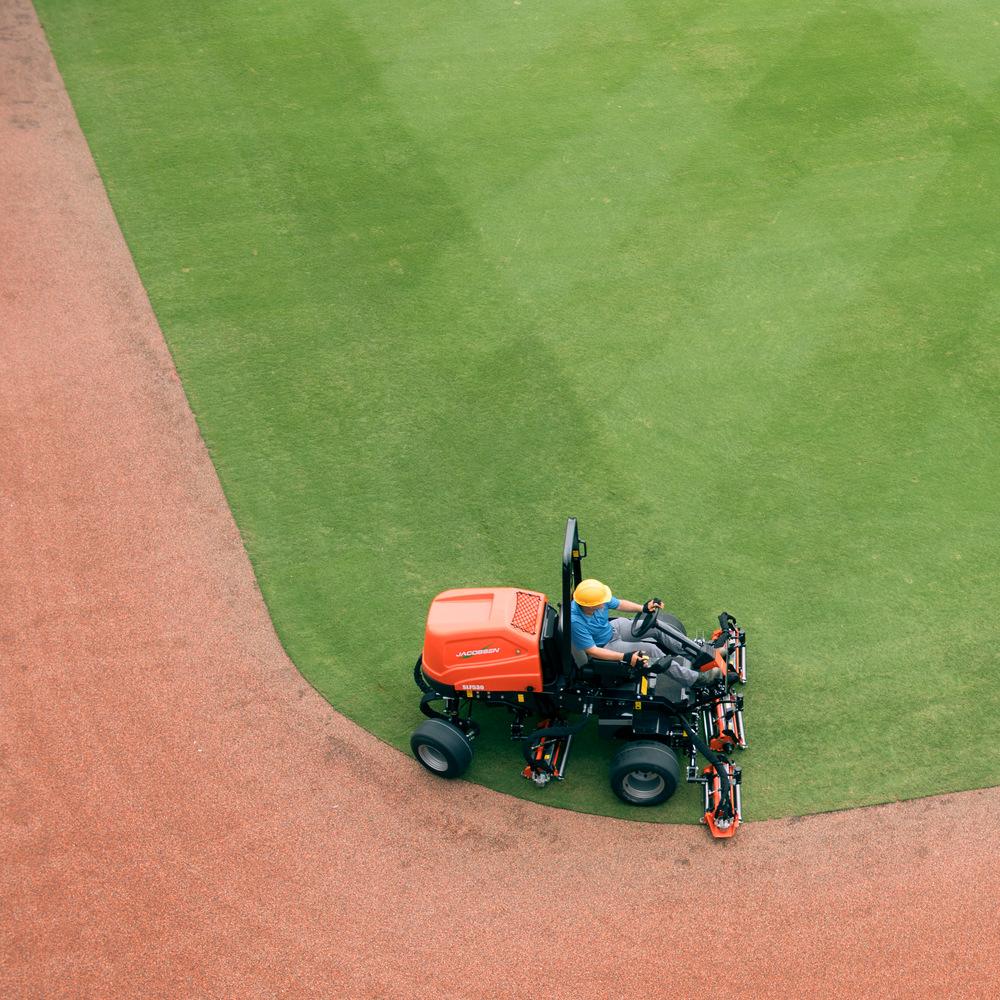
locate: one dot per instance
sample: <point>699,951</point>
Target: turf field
<point>721,280</point>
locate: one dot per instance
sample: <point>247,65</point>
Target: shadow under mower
<point>511,648</point>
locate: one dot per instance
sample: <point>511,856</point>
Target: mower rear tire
<point>672,620</point>
<point>645,773</point>
<point>442,748</point>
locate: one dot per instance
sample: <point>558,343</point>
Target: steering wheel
<point>643,623</point>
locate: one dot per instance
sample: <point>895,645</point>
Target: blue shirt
<point>591,630</point>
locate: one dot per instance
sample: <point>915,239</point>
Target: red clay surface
<point>183,816</point>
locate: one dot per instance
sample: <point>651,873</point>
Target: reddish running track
<point>183,816</point>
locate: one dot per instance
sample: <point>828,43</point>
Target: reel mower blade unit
<point>723,814</point>
<point>548,756</point>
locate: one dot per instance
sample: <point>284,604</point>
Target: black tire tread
<point>646,755</point>
<point>449,741</point>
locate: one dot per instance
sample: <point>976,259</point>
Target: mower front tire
<point>442,748</point>
<point>672,620</point>
<point>645,773</point>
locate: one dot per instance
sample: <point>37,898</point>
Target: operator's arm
<point>600,653</point>
<point>624,605</point>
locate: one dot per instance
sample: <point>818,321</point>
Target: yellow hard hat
<point>590,593</point>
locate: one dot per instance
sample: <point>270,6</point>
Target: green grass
<point>718,279</point>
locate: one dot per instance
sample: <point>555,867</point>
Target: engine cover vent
<point>526,612</point>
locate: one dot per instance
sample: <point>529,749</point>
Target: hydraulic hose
<point>724,810</point>
<point>430,694</point>
<point>418,675</point>
<point>425,706</point>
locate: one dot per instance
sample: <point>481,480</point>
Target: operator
<point>601,638</point>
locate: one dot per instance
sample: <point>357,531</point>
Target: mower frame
<point>706,721</point>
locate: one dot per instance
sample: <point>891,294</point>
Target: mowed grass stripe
<point>714,281</point>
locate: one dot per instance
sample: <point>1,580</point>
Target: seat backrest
<point>549,646</point>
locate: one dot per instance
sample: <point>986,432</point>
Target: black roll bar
<point>572,575</point>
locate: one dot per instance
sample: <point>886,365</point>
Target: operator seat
<point>549,643</point>
<point>673,674</point>
<point>607,673</point>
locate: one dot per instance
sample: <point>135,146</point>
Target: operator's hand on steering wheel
<point>653,604</point>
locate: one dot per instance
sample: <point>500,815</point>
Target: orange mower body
<point>485,639</point>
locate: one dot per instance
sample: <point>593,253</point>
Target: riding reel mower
<point>511,648</point>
